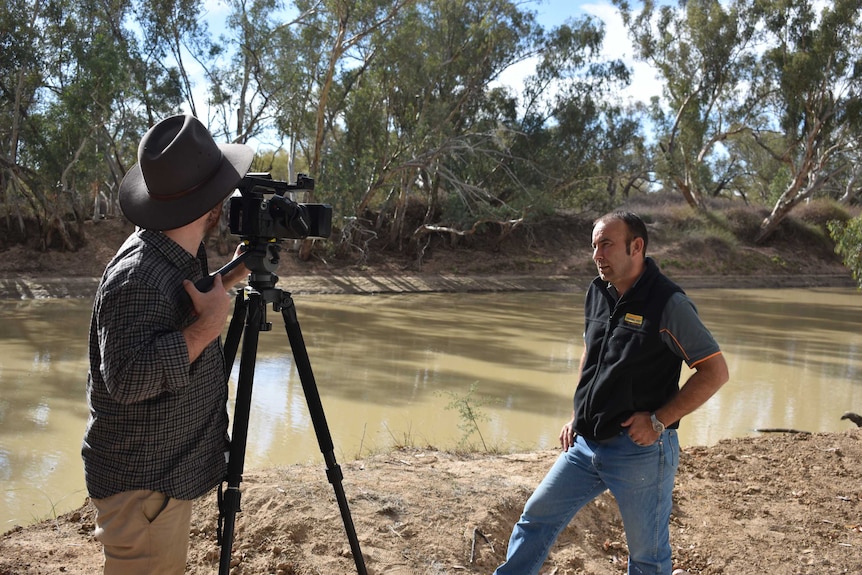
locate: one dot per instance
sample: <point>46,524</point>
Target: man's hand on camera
<point>237,274</point>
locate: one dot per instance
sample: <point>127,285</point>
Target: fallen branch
<point>473,546</point>
<point>506,227</point>
<point>781,430</point>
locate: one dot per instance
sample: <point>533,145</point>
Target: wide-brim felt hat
<point>181,174</point>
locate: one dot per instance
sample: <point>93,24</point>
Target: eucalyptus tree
<point>75,91</point>
<point>760,180</point>
<point>811,83</point>
<point>405,107</point>
<point>148,89</point>
<point>431,141</point>
<point>66,76</point>
<point>848,244</point>
<point>703,51</point>
<point>288,62</point>
<point>83,76</point>
<point>21,75</point>
<point>245,75</point>
<point>173,31</point>
<point>584,142</point>
<point>761,97</point>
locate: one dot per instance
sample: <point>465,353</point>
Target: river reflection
<point>389,368</point>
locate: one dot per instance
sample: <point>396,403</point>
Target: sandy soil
<point>783,504</point>
<point>777,503</point>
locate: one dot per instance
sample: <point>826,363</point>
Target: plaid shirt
<point>156,421</point>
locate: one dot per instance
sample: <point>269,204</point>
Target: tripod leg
<point>234,330</point>
<point>230,504</point>
<point>321,429</point>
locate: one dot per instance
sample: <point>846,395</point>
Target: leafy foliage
<point>399,109</point>
<point>847,236</point>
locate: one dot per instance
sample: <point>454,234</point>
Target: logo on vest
<point>635,320</point>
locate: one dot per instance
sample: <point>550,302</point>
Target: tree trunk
<point>690,196</point>
<point>396,232</point>
<point>789,200</point>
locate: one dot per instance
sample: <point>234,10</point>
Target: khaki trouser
<point>143,532</point>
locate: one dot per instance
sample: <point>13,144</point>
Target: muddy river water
<point>391,370</point>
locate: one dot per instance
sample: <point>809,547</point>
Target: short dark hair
<point>635,225</point>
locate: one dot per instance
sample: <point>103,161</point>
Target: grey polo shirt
<point>683,331</point>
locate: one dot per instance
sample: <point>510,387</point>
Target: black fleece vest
<point>627,368</point>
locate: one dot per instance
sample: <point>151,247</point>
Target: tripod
<point>250,310</point>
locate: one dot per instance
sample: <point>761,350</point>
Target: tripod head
<point>261,258</point>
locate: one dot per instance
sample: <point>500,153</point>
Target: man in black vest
<point>639,328</point>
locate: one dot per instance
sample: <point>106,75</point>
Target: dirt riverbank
<point>783,504</point>
<point>555,257</point>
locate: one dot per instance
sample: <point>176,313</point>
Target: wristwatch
<point>657,425</point>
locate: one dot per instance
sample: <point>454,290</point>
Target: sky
<point>617,45</point>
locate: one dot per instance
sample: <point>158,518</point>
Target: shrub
<point>822,211</point>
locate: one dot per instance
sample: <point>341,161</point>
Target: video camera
<point>262,211</point>
<point>262,216</point>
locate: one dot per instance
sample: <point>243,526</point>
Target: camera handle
<point>262,259</point>
<point>251,311</point>
<point>206,283</point>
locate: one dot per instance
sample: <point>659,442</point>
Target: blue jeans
<point>640,479</point>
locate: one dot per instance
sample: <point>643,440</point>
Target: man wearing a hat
<point>157,390</point>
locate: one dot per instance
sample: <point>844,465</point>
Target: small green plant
<point>779,261</point>
<point>54,511</point>
<point>470,411</point>
<point>407,439</point>
<point>670,263</point>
